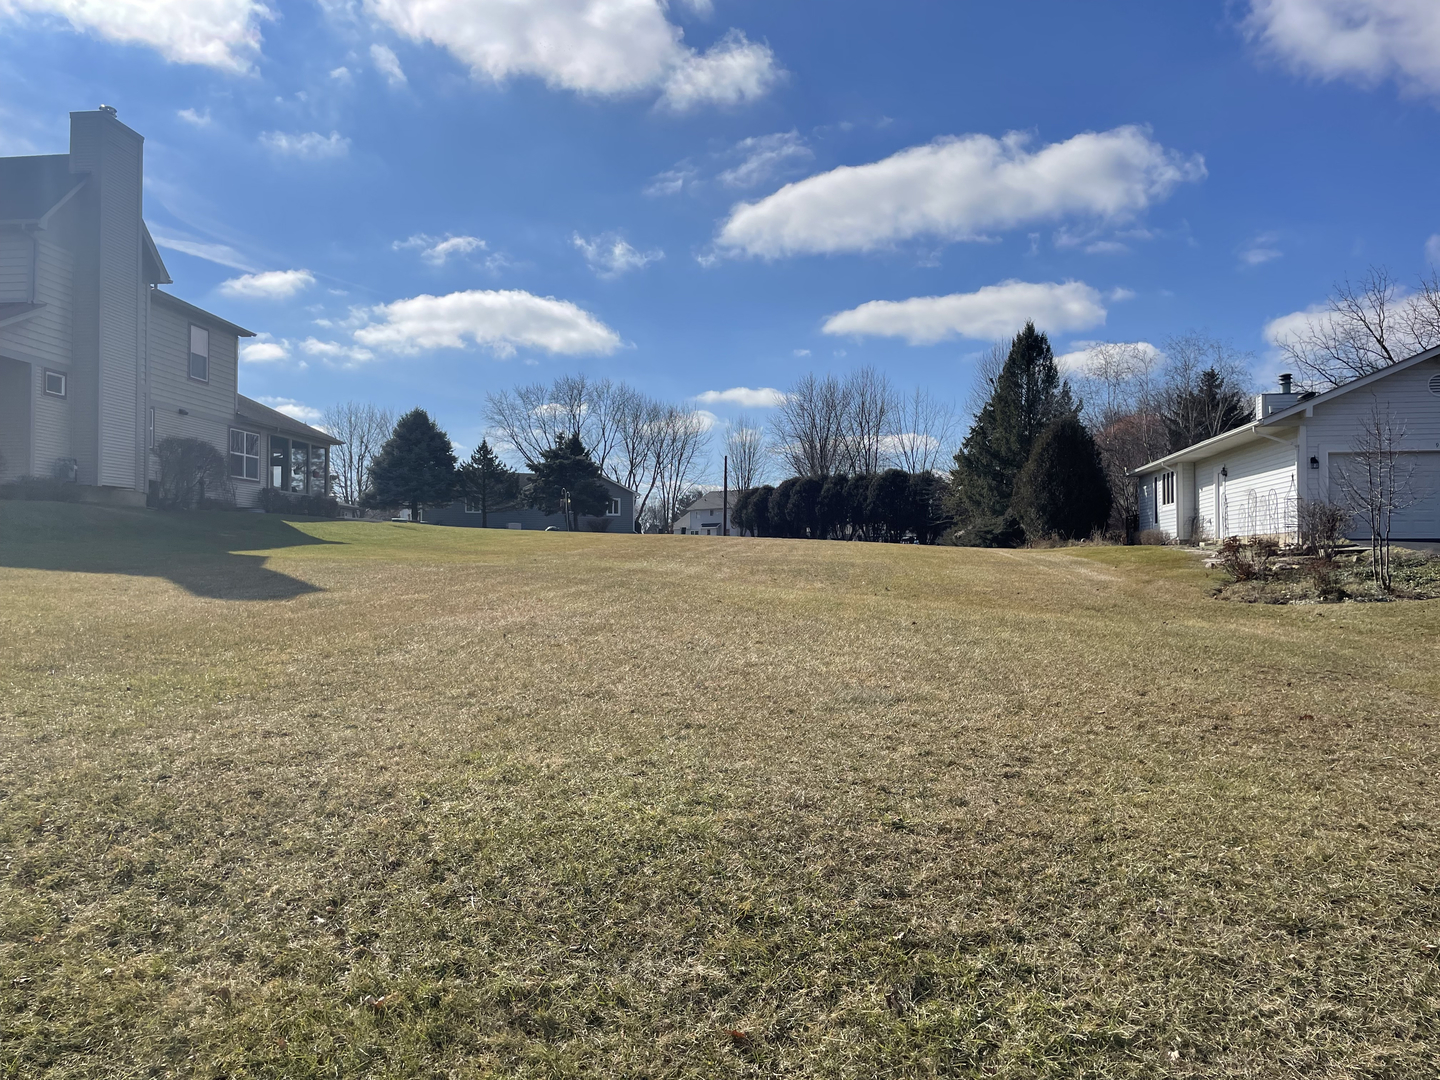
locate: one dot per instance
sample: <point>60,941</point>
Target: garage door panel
<point>1420,520</point>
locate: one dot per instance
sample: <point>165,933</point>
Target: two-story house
<point>97,362</point>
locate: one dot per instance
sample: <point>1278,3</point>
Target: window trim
<point>613,510</point>
<point>232,454</point>
<point>475,501</point>
<point>190,352</point>
<point>64,383</point>
<point>1167,488</point>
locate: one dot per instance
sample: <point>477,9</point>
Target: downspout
<point>34,264</point>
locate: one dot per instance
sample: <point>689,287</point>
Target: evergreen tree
<point>801,509</point>
<point>1208,407</point>
<point>832,508</point>
<point>857,497</point>
<point>567,481</point>
<point>1063,491</point>
<point>415,467</point>
<point>780,523</point>
<point>485,479</point>
<point>1027,396</point>
<point>890,507</point>
<point>760,504</point>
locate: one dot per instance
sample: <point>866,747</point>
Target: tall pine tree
<point>1062,491</point>
<point>415,467</point>
<point>567,481</point>
<point>1027,396</point>
<point>485,480</point>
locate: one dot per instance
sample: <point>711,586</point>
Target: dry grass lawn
<point>403,801</point>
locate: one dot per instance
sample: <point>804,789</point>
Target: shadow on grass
<point>195,550</point>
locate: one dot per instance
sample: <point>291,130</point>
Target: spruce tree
<point>415,467</point>
<point>567,481</point>
<point>485,479</point>
<point>1062,491</point>
<point>1027,396</point>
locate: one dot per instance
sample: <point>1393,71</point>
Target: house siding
<point>1259,497</point>
<point>16,395</point>
<point>44,336</point>
<point>209,406</point>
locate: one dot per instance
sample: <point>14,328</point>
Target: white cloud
<point>269,285</point>
<point>335,353</point>
<point>732,72</point>
<point>1432,250</point>
<point>388,64</point>
<point>221,254</point>
<point>190,116</point>
<point>1083,354</point>
<point>500,320</point>
<point>764,397</point>
<point>961,188</point>
<point>264,352</point>
<point>1261,250</point>
<point>604,47</point>
<point>764,156</point>
<point>309,144</point>
<point>707,418</point>
<point>293,409</point>
<point>672,181</point>
<point>994,311</point>
<point>222,34</point>
<point>437,249</point>
<point>802,352</point>
<point>610,256</point>
<point>1364,41</point>
<point>341,74</point>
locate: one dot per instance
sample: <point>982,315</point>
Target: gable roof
<point>199,312</point>
<point>31,188</point>
<point>156,274</point>
<point>1286,416</point>
<point>713,500</point>
<point>17,312</point>
<point>250,409</point>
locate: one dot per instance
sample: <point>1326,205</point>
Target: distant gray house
<point>97,363</point>
<point>619,516</point>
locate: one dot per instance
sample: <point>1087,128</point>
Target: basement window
<point>1167,489</point>
<point>55,383</point>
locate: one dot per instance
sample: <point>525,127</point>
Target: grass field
<point>331,799</point>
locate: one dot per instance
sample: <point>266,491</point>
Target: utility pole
<point>725,500</point>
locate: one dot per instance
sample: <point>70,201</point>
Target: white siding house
<point>704,517</point>
<point>97,363</point>
<point>1251,481</point>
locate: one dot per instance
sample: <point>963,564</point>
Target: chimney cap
<point>1285,382</point>
<point>109,109</point>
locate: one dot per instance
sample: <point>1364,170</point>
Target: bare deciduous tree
<point>1378,482</point>
<point>810,426</point>
<point>528,418</point>
<point>1204,389</point>
<point>364,429</point>
<point>638,433</point>
<point>745,446</point>
<point>681,439</point>
<point>868,421</point>
<point>923,429</point>
<point>1365,327</point>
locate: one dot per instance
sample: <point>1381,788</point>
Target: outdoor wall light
<point>183,412</point>
<point>1224,471</point>
<point>1314,463</point>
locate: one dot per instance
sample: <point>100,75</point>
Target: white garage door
<point>1421,520</point>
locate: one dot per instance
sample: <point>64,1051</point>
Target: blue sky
<point>418,201</point>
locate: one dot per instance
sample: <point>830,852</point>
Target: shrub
<point>597,524</point>
<point>1062,490</point>
<point>1154,537</point>
<point>275,501</point>
<point>1322,525</point>
<point>1325,575</point>
<point>192,472</point>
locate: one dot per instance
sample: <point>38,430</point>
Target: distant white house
<point>1250,481</point>
<point>703,517</point>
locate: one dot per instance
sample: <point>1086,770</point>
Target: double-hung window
<point>244,454</point>
<point>199,353</point>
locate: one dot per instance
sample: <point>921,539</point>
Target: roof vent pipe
<point>110,109</point>
<point>1285,383</point>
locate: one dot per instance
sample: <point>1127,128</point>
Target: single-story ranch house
<point>1250,481</point>
<point>619,516</point>
<point>97,363</point>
